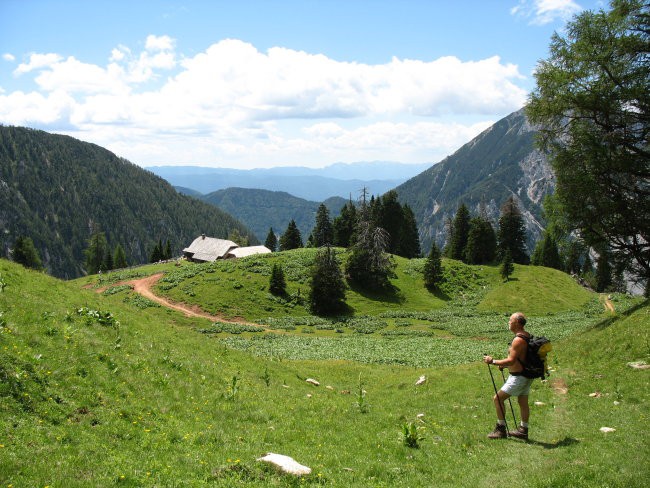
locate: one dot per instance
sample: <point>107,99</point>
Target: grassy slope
<point>152,404</point>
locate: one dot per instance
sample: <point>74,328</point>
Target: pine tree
<point>277,283</point>
<point>157,253</point>
<point>95,252</point>
<point>344,225</point>
<point>409,240</point>
<point>369,265</point>
<point>108,265</point>
<point>511,235</point>
<point>26,254</point>
<point>390,217</point>
<point>168,250</point>
<point>291,239</point>
<point>271,241</point>
<point>481,242</point>
<point>327,287</point>
<point>460,233</point>
<point>507,266</point>
<point>119,257</point>
<point>433,268</point>
<point>238,238</point>
<point>323,233</point>
<point>546,253</point>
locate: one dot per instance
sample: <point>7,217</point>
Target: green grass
<point>154,402</point>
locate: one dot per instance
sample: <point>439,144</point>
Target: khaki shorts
<point>517,386</point>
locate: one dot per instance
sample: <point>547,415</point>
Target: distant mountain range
<point>500,162</point>
<point>56,189</point>
<point>314,184</point>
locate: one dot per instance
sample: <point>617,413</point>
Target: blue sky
<point>269,83</point>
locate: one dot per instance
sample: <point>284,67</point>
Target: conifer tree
<point>507,266</point>
<point>157,253</point>
<point>511,235</point>
<point>277,283</point>
<point>603,270</point>
<point>168,250</point>
<point>546,253</point>
<point>95,252</point>
<point>460,233</point>
<point>409,239</point>
<point>291,239</point>
<point>481,242</point>
<point>327,287</point>
<point>344,225</point>
<point>390,217</point>
<point>433,268</point>
<point>25,253</point>
<point>108,260</point>
<point>119,257</point>
<point>323,233</point>
<point>271,241</point>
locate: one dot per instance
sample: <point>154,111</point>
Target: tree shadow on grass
<point>567,441</point>
<point>390,294</point>
<point>439,294</point>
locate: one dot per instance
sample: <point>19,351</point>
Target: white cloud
<point>235,103</point>
<point>9,57</point>
<point>37,61</point>
<point>542,12</point>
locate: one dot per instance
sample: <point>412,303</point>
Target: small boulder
<point>421,381</point>
<point>639,365</point>
<point>607,429</point>
<point>286,464</point>
<point>312,381</point>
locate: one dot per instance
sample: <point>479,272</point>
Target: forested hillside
<point>58,190</point>
<point>499,163</point>
<point>261,209</point>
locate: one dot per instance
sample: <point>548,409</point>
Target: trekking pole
<point>514,419</point>
<point>496,394</point>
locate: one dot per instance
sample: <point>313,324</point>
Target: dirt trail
<point>143,286</point>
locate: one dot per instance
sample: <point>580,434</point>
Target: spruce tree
<point>119,257</point>
<point>108,260</point>
<point>344,225</point>
<point>168,250</point>
<point>481,242</point>
<point>271,241</point>
<point>277,283</point>
<point>603,270</point>
<point>157,253</point>
<point>95,252</point>
<point>291,239</point>
<point>460,233</point>
<point>327,287</point>
<point>26,254</point>
<point>433,268</point>
<point>546,253</point>
<point>409,239</point>
<point>507,266</point>
<point>511,235</point>
<point>323,233</point>
<point>390,217</point>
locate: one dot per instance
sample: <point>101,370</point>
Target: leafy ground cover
<point>96,391</point>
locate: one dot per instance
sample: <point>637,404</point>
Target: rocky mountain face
<point>500,162</point>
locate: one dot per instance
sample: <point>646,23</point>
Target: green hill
<point>264,209</point>
<point>103,389</point>
<point>54,189</point>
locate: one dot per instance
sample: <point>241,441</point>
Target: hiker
<point>517,384</point>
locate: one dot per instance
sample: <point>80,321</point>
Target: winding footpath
<point>143,286</point>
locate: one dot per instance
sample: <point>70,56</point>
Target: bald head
<point>518,319</point>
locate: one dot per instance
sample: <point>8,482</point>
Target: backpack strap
<point>527,339</point>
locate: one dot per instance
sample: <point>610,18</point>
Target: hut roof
<point>209,248</point>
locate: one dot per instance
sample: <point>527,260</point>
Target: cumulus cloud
<point>234,101</point>
<point>541,12</point>
<point>9,57</point>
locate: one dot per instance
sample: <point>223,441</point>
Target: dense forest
<point>58,190</point>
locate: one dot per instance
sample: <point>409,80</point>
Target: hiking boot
<point>499,432</point>
<point>520,433</point>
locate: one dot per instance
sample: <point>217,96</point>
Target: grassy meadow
<point>101,387</point>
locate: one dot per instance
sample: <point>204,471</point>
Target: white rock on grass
<point>607,429</point>
<point>539,404</point>
<point>312,381</point>
<point>286,464</point>
<point>421,381</point>
<point>639,365</point>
